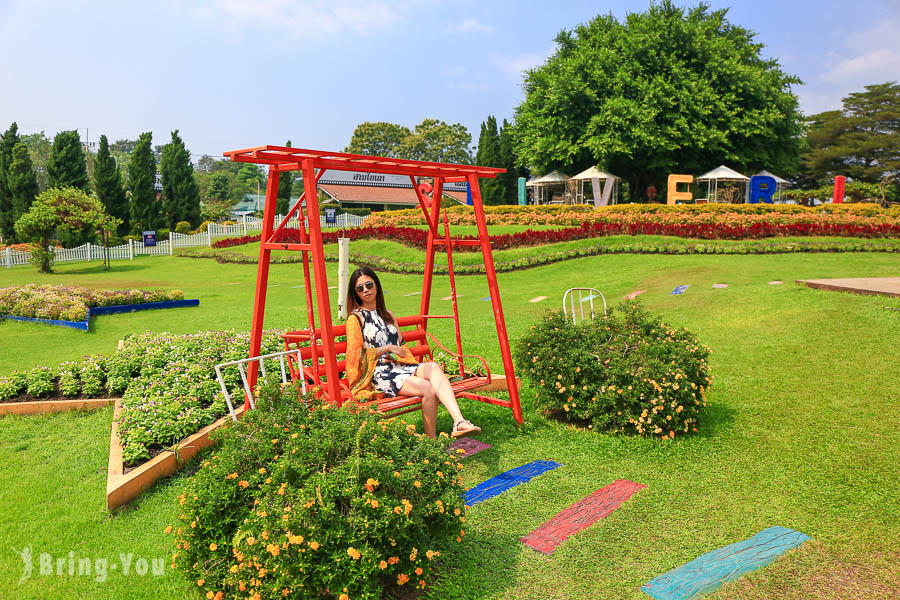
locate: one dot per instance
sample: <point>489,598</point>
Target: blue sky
<point>237,73</point>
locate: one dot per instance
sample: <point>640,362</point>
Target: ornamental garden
<point>720,404</point>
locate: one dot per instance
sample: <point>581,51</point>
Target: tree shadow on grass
<point>96,268</point>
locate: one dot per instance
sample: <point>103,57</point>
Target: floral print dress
<point>388,375</point>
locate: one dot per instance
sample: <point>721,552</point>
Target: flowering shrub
<point>12,385</point>
<point>67,379</point>
<point>39,382</point>
<point>71,303</point>
<point>628,372</point>
<point>306,500</point>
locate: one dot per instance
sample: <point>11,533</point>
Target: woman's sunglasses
<point>366,286</point>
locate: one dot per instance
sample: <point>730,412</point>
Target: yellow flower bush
<point>302,500</point>
<point>628,372</point>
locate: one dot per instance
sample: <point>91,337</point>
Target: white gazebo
<point>723,174</point>
<point>543,185</point>
<point>780,183</point>
<point>610,193</point>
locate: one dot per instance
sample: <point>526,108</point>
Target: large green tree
<point>39,147</point>
<point>62,210</point>
<point>862,140</point>
<point>7,143</point>
<point>67,166</point>
<point>145,211</point>
<point>379,139</point>
<point>668,90</point>
<point>432,140</point>
<point>180,197</point>
<point>108,184</point>
<point>21,181</point>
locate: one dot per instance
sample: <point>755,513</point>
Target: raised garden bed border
<point>37,407</point>
<point>108,310</point>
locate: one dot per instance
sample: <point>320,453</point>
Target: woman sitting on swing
<point>378,361</point>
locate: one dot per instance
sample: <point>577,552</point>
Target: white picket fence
<point>10,258</point>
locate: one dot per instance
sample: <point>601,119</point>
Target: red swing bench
<point>419,341</point>
<point>320,362</point>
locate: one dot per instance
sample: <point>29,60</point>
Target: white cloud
<point>865,57</point>
<point>515,65</point>
<point>308,18</point>
<point>469,25</point>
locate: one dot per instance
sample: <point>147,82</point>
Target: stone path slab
<point>708,571</point>
<point>500,483</point>
<point>467,446</point>
<point>538,298</point>
<point>581,515</point>
<point>886,286</point>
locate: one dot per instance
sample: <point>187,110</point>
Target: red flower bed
<point>701,226</point>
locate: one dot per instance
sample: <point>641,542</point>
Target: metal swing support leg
<point>262,281</point>
<point>491,272</point>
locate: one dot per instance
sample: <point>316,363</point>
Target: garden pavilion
<point>724,174</point>
<point>545,187</point>
<point>780,183</point>
<point>610,194</point>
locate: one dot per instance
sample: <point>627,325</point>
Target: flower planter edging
<point>53,406</point>
<point>108,310</point>
<point>122,488</point>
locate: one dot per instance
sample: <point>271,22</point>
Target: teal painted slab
<point>707,572</point>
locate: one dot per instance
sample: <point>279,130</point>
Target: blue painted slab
<point>124,308</point>
<point>510,479</point>
<point>589,298</point>
<point>679,290</point>
<point>707,572</point>
<point>80,325</point>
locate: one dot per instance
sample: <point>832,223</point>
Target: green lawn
<point>802,432</point>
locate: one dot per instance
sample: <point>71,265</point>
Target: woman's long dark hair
<point>354,301</point>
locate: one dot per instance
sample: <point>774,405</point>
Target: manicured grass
<point>802,432</point>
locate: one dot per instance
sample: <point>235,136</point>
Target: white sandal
<point>464,428</point>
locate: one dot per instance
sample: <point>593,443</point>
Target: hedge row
<point>568,214</point>
<point>761,247</point>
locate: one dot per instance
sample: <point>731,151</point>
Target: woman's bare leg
<point>441,388</point>
<point>418,386</point>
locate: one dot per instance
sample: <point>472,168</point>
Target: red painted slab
<point>581,515</point>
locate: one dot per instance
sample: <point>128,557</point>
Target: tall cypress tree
<point>488,155</point>
<point>7,143</point>
<point>108,183</point>
<point>145,212</point>
<point>67,167</point>
<point>285,187</point>
<point>180,198</point>
<point>508,162</point>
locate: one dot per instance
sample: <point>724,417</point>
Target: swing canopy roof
<point>722,173</point>
<point>291,159</point>
<point>595,173</point>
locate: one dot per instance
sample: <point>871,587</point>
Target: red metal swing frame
<point>312,164</point>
